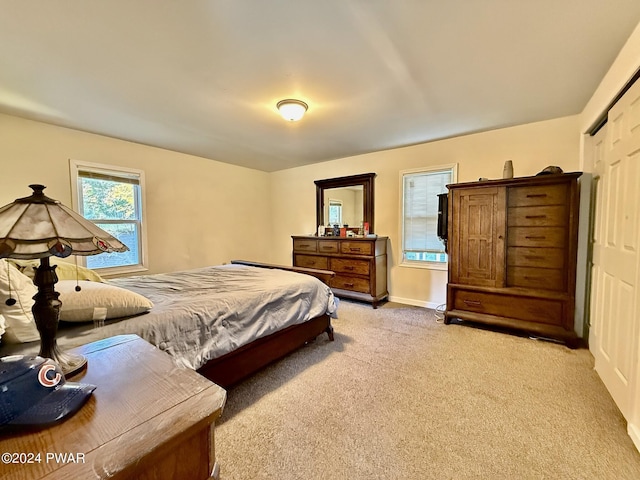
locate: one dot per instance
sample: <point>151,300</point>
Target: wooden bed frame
<point>235,366</point>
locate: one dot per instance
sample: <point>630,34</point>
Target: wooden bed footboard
<point>235,366</point>
<point>323,275</point>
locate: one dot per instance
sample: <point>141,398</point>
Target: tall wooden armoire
<point>512,254</point>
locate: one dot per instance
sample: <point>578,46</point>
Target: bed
<point>225,321</point>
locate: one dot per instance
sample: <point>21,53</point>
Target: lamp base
<point>46,312</point>
<point>70,363</point>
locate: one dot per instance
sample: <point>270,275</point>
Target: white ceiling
<point>203,76</point>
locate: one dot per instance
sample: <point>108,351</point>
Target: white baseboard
<point>634,433</point>
<point>413,302</point>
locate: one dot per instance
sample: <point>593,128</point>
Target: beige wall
<point>202,212</point>
<point>531,147</point>
<point>199,212</point>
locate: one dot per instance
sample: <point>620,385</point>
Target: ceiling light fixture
<point>292,110</point>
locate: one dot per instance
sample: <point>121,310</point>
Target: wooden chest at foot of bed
<point>146,419</point>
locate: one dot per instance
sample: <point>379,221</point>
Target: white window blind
<point>420,214</point>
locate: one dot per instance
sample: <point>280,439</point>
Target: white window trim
<point>414,263</point>
<point>74,167</point>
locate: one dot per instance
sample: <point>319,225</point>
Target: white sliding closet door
<point>615,314</point>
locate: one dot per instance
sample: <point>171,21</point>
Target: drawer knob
<point>533,257</point>
<point>348,284</point>
<point>535,216</point>
<point>536,195</point>
<point>326,248</point>
<point>473,303</point>
<point>348,267</point>
<point>352,249</point>
<point>535,237</point>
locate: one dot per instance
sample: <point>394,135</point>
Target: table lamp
<point>39,227</point>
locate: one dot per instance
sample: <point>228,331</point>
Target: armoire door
<point>479,232</point>
<point>615,316</point>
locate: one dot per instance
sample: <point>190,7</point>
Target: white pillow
<point>80,306</point>
<point>19,324</point>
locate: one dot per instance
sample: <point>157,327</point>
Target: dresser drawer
<point>538,195</point>
<point>311,261</point>
<point>325,246</point>
<point>536,257</point>
<point>546,216</point>
<point>531,277</point>
<point>536,237</point>
<point>304,245</point>
<point>538,310</point>
<point>356,248</point>
<point>344,265</point>
<point>355,284</point>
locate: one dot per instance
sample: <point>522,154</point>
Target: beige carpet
<point>401,396</point>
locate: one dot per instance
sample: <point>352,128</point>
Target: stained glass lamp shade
<point>39,227</point>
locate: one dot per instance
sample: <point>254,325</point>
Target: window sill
<point>119,271</point>
<point>425,265</point>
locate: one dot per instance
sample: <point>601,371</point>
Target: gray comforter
<point>205,313</point>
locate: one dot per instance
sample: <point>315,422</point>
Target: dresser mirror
<point>345,200</point>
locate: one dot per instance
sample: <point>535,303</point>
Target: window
<point>420,188</point>
<point>111,197</point>
<point>335,212</point>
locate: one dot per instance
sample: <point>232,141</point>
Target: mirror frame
<point>364,179</point>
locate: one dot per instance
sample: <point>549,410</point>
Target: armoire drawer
<point>538,195</point>
<point>540,310</point>
<point>536,257</point>
<point>531,277</point>
<point>312,261</point>
<point>356,267</point>
<point>305,245</point>
<point>355,284</point>
<point>545,216</point>
<point>536,237</point>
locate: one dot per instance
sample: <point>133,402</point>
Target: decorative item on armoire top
<point>507,170</point>
<point>550,170</point>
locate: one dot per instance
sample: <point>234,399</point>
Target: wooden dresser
<point>512,254</point>
<point>147,419</point>
<point>360,264</point>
